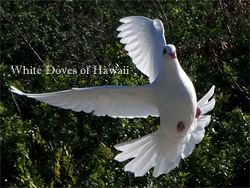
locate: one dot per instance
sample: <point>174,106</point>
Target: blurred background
<point>44,146</point>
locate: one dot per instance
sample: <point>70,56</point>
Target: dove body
<point>173,87</point>
<point>170,95</point>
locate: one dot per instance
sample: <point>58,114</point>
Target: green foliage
<point>44,146</point>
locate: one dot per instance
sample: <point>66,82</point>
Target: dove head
<point>170,51</point>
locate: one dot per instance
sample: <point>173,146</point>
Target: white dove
<point>170,95</point>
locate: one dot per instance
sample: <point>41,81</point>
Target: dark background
<point>43,145</point>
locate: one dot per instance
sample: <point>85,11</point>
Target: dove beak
<point>173,55</point>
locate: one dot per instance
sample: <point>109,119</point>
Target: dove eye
<point>164,50</point>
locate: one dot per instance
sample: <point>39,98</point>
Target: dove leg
<point>180,126</point>
<point>198,112</point>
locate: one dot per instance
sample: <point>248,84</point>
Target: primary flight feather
<point>170,95</point>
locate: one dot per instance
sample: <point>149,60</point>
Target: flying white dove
<point>170,95</point>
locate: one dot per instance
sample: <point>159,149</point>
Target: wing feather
<point>114,101</point>
<point>144,40</point>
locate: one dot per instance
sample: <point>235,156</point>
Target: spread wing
<point>114,101</point>
<point>144,39</point>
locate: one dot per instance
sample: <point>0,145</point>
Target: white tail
<point>156,150</point>
<point>153,150</point>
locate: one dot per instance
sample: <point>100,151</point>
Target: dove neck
<point>169,72</point>
<point>172,67</point>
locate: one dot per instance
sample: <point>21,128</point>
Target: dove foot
<point>198,112</point>
<point>180,126</point>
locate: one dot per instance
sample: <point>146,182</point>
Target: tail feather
<point>148,164</point>
<point>160,166</point>
<point>134,143</point>
<point>127,155</point>
<point>155,150</point>
<point>150,151</point>
<point>137,163</point>
<point>164,165</point>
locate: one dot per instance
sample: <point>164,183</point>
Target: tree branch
<point>32,49</point>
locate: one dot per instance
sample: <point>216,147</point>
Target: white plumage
<point>103,100</point>
<point>144,39</point>
<point>170,95</point>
